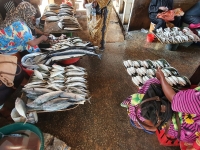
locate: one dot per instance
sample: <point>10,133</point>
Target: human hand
<point>159,74</point>
<point>84,2</point>
<point>44,38</point>
<point>163,8</point>
<point>46,33</point>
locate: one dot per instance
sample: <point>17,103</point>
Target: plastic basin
<point>70,61</point>
<point>21,126</point>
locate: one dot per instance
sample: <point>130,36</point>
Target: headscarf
<point>22,12</point>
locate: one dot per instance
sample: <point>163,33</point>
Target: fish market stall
<point>143,70</point>
<point>51,89</point>
<point>175,35</point>
<point>60,19</point>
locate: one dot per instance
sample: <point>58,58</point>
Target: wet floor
<point>104,124</point>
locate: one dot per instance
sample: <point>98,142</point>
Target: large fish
<point>45,97</point>
<point>32,55</point>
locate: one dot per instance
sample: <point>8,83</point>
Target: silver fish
<point>48,96</point>
<point>36,90</point>
<point>20,107</point>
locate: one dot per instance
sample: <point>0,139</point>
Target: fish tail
<point>26,120</point>
<point>89,99</point>
<point>100,55</point>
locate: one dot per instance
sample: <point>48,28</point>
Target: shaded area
<point>104,124</point>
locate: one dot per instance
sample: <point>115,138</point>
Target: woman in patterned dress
<point>15,30</point>
<point>98,29</point>
<point>155,114</point>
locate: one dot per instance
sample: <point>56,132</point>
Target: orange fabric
<point>167,15</point>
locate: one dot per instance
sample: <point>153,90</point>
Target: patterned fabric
<point>9,6</point>
<point>95,29</point>
<point>23,12</point>
<point>185,102</point>
<point>14,38</point>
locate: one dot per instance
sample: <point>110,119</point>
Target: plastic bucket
<point>150,37</point>
<point>70,61</point>
<point>21,126</point>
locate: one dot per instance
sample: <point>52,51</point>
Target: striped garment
<point>188,102</point>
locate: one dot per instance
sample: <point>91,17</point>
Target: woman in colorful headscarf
<point>98,28</point>
<point>15,30</point>
<point>178,113</point>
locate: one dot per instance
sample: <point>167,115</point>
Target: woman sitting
<point>158,6</point>
<point>156,112</point>
<point>15,30</point>
<point>192,16</point>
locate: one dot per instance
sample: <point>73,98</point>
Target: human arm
<point>167,89</point>
<point>38,31</point>
<point>36,41</point>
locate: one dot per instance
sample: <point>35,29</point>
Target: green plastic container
<point>21,126</point>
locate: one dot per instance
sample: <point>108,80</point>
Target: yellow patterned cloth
<point>95,29</point>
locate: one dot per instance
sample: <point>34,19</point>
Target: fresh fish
<point>44,67</point>
<point>38,74</point>
<point>76,79</point>
<point>172,80</point>
<point>74,84</point>
<point>61,105</point>
<point>135,81</point>
<point>58,67</point>
<point>28,56</point>
<point>45,97</point>
<point>130,64</point>
<point>136,64</point>
<point>76,74</point>
<point>34,83</point>
<point>60,25</point>
<point>129,72</point>
<point>181,81</point>
<point>132,70</point>
<point>64,57</point>
<point>169,81</point>
<point>36,90</point>
<point>75,51</point>
<point>78,97</point>
<point>53,74</point>
<point>77,90</point>
<point>20,107</point>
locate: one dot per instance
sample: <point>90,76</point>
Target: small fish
<point>44,67</point>
<point>58,67</point>
<point>20,107</point>
<point>38,74</point>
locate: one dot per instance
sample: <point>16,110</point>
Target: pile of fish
<point>64,14</point>
<point>141,71</point>
<point>65,49</point>
<point>68,23</point>
<point>56,88</point>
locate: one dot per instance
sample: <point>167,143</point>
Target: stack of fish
<point>54,6</point>
<point>64,50</point>
<point>141,71</point>
<point>50,13</point>
<point>69,23</point>
<point>56,88</point>
<point>65,10</point>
